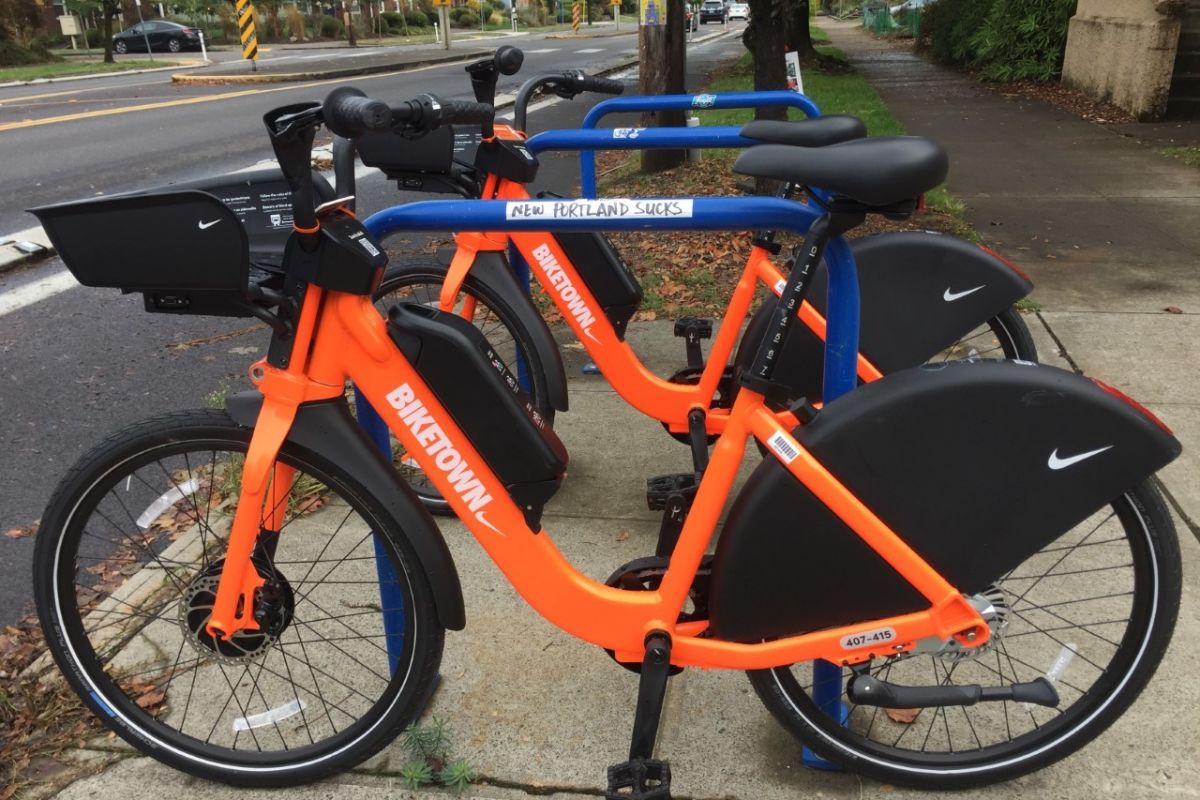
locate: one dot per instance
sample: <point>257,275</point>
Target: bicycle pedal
<point>639,779</point>
<point>660,489</point>
<point>693,328</point>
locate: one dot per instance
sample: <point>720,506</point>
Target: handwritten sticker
<point>615,208</point>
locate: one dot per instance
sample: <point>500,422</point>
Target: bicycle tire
<point>115,639</point>
<point>1157,573</point>
<point>500,325</point>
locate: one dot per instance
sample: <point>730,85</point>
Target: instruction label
<point>615,208</point>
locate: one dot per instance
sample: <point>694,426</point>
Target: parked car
<point>712,10</point>
<point>910,5</point>
<point>163,35</point>
<point>739,11</point>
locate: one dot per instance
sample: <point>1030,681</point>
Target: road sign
<point>576,13</point>
<point>437,3</point>
<point>249,38</point>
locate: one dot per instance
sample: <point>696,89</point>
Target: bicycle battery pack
<point>604,272</point>
<point>961,460</point>
<point>486,401</point>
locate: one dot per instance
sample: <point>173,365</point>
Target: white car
<point>910,5</point>
<point>739,11</point>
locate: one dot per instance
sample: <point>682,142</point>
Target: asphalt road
<point>83,363</point>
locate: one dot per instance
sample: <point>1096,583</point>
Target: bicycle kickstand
<point>643,777</point>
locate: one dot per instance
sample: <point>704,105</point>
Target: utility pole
<point>661,43</point>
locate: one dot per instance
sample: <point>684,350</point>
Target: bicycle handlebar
<point>566,84</point>
<point>348,112</point>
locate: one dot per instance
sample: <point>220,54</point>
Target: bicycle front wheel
<point>126,566</point>
<point>1091,612</point>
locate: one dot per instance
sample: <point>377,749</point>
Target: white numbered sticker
<point>782,447</point>
<point>616,208</point>
<point>857,641</point>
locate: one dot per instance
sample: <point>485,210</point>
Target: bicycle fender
<point>492,268</point>
<point>327,430</point>
<point>977,465</point>
<point>921,292</point>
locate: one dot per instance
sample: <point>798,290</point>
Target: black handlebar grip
<point>592,83</point>
<point>466,112</point>
<point>509,59</point>
<point>350,113</point>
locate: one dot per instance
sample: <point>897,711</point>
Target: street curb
<point>346,72</point>
<point>578,36</point>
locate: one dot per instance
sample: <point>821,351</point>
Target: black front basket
<point>185,250</point>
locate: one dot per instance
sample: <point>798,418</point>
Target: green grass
<point>818,36</point>
<point>1188,155</point>
<point>835,93</point>
<point>74,68</point>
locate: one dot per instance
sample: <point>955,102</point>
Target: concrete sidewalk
<point>536,712</point>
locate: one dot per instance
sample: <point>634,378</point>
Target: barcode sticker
<point>783,448</point>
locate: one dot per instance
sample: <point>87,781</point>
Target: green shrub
<point>468,19</point>
<point>1023,40</point>
<point>416,19</point>
<point>1005,40</point>
<point>47,40</point>
<point>95,37</point>
<point>394,20</point>
<point>331,28</point>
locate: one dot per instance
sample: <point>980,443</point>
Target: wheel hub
<point>274,607</point>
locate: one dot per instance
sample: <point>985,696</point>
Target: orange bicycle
<point>207,581</point>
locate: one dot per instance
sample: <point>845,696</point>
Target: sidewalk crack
<point>1062,348</point>
<point>1175,504</point>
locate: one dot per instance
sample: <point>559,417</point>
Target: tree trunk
<point>663,56</point>
<point>106,17</point>
<point>349,22</point>
<point>765,37</point>
<point>799,32</point>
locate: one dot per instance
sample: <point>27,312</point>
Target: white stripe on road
<point>543,50</point>
<point>30,293</point>
<point>591,50</point>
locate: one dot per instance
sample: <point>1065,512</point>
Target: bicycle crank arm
<point>869,691</point>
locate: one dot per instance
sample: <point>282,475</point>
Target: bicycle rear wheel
<point>1092,612</point>
<point>125,572</point>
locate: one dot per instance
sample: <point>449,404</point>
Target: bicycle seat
<point>815,132</point>
<point>876,172</point>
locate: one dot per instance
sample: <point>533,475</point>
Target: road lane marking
<point>36,291</point>
<point>543,50</point>
<point>107,112</point>
<point>591,50</point>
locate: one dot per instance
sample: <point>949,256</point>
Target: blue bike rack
<point>682,102</point>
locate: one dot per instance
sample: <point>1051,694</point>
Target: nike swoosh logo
<point>479,516</point>
<point>206,225</point>
<point>950,296</point>
<point>1062,463</point>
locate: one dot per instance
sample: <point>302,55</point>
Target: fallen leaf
<point>622,535</point>
<point>1173,310</point>
<point>21,532</point>
<point>905,716</point>
<point>150,700</point>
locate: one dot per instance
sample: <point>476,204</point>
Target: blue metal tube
<point>675,102</point>
<point>638,139</point>
<point>609,214</point>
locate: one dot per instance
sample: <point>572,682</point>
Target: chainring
<point>645,575</point>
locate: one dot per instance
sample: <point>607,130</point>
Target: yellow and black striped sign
<point>245,12</point>
<point>576,13</point>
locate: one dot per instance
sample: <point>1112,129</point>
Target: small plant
<point>416,774</point>
<point>427,744</point>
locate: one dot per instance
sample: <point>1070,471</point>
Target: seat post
<point>805,259</point>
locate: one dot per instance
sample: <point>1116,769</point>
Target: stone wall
<point>1123,51</point>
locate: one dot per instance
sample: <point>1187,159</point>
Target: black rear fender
<point>327,429</point>
<point>921,292</point>
<point>976,464</point>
